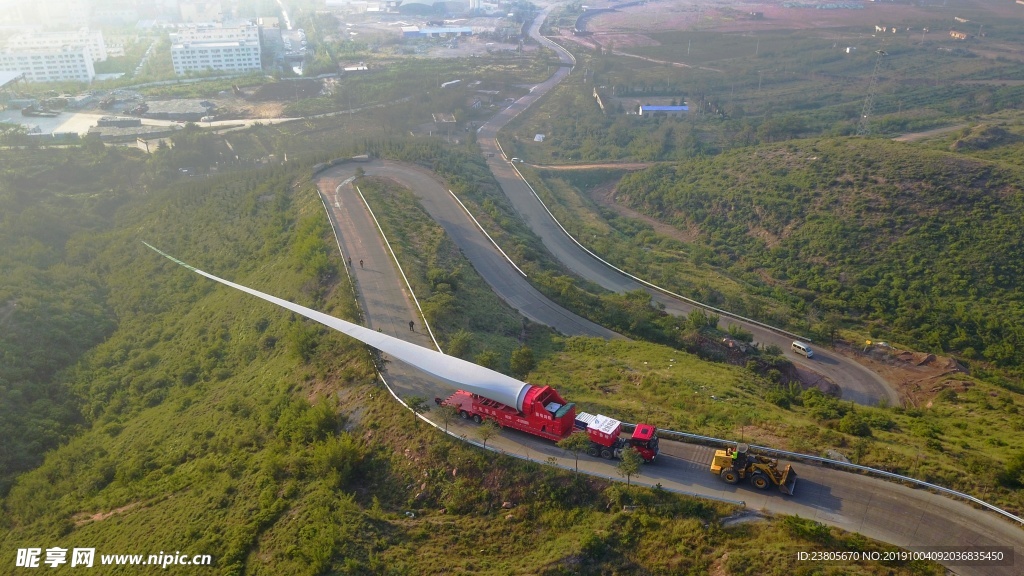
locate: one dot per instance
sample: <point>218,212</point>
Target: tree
<point>446,414</point>
<point>830,326</point>
<point>459,343</point>
<point>487,430</point>
<point>522,361</point>
<point>418,406</point>
<point>630,464</point>
<point>487,359</point>
<point>575,443</point>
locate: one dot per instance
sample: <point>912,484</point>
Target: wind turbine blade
<point>455,371</point>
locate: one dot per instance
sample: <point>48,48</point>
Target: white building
<point>216,33</point>
<point>61,65</point>
<point>225,48</point>
<point>56,40</point>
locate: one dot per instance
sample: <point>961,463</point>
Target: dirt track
<point>915,136</point>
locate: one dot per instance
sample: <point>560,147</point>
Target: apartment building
<point>67,64</point>
<point>211,47</point>
<point>35,41</point>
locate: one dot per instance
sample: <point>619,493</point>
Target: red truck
<point>546,414</point>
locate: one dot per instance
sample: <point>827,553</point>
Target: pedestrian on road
<point>412,326</point>
<point>349,261</point>
<point>360,263</point>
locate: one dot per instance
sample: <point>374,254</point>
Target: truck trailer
<point>546,414</point>
<point>482,392</point>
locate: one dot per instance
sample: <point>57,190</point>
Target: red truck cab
<point>645,441</point>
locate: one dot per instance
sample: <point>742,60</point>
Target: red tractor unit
<point>546,414</point>
<point>606,438</point>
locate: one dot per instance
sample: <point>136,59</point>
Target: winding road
<point>878,509</point>
<point>858,384</point>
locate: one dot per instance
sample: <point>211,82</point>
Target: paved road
<point>875,508</point>
<point>498,272</point>
<point>858,384</point>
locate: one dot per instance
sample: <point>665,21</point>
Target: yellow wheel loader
<point>735,464</point>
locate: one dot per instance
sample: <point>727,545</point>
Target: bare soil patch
<point>918,376</point>
<point>83,518</point>
<point>736,16</point>
<point>286,91</point>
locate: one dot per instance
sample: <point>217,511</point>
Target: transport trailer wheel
<point>760,481</point>
<point>593,451</point>
<point>729,476</point>
<point>464,414</point>
<point>606,454</point>
<point>477,418</point>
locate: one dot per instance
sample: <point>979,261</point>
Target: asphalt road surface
<point>504,279</point>
<point>858,384</point>
<point>878,509</point>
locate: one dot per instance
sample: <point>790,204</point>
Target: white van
<point>802,349</point>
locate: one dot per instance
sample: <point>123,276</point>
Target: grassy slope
<point>202,439</point>
<point>923,246</point>
<point>964,437</point>
<point>51,310</point>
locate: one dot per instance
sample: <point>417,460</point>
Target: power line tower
<point>864,127</point>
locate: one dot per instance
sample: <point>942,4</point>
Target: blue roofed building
<point>663,110</point>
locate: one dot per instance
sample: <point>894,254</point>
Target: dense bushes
<point>923,247</point>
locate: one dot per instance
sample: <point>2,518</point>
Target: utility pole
<point>864,127</point>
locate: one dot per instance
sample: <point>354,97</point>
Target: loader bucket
<point>787,484</point>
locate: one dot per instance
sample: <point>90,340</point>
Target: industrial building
<point>213,47</point>
<point>183,110</point>
<point>663,110</point>
<point>440,32</point>
<point>54,65</point>
<point>33,41</point>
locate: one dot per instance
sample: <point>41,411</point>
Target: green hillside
<point>919,246</point>
<point>52,309</point>
<point>213,424</point>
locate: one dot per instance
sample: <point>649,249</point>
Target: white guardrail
<point>546,463</point>
<point>423,317</point>
<point>720,442</point>
<point>477,222</point>
<point>651,284</point>
<point>686,436</point>
<point>838,464</point>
